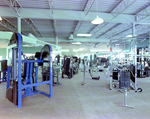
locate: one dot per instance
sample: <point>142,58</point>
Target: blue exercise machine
<point>24,80</point>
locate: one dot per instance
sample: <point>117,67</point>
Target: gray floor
<point>71,100</point>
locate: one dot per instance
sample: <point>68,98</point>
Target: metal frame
<point>15,5</point>
<point>7,24</point>
<point>17,75</point>
<point>89,69</point>
<point>125,100</point>
<point>4,76</point>
<point>84,75</point>
<point>57,76</point>
<point>86,10</point>
<point>118,9</point>
<point>134,59</point>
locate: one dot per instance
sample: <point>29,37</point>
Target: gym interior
<point>74,59</point>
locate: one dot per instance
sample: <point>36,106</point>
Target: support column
<point>111,55</point>
<point>19,24</point>
<point>134,50</point>
<point>149,43</point>
<point>60,58</point>
<point>56,40</point>
<point>132,43</point>
<point>133,29</point>
<point>110,65</point>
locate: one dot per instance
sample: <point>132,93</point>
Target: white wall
<point>3,53</point>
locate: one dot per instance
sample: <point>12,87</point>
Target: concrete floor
<point>71,100</point>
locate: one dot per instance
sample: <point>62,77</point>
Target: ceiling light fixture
<point>99,50</point>
<point>79,34</point>
<point>97,20</point>
<point>65,50</point>
<point>80,49</point>
<point>129,36</point>
<point>0,18</point>
<point>75,50</point>
<point>77,43</point>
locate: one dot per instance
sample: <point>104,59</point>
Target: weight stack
<point>115,75</point>
<point>124,80</point>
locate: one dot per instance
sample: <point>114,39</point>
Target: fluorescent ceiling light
<point>56,52</point>
<point>97,20</point>
<point>100,50</point>
<point>80,49</point>
<point>65,50</point>
<point>84,34</point>
<point>105,50</point>
<point>75,50</point>
<point>130,36</point>
<point>0,18</point>
<point>117,44</point>
<point>77,43</point>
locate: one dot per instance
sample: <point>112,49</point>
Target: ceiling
<point>55,20</point>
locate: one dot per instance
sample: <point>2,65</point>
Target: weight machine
<point>67,67</point>
<point>56,68</point>
<point>90,70</point>
<point>129,62</point>
<point>142,62</point>
<point>81,64</point>
<point>26,84</point>
<point>75,64</point>
<point>124,84</point>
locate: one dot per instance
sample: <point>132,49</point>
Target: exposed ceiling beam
<point>65,15</point>
<point>141,28</point>
<point>86,11</point>
<point>75,40</point>
<point>116,12</point>
<point>118,29</point>
<point>121,7</point>
<point>6,23</point>
<point>15,5</point>
<point>143,14</point>
<point>33,27</point>
<point>54,28</point>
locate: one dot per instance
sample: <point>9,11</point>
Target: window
<point>0,57</point>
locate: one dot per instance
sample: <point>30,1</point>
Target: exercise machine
<point>142,64</point>
<point>75,64</point>
<point>56,68</point>
<point>19,86</point>
<point>124,85</point>
<point>117,76</point>
<point>90,71</point>
<point>67,67</point>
